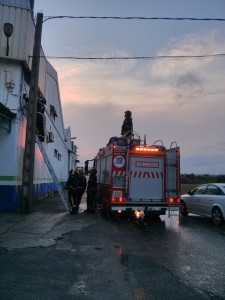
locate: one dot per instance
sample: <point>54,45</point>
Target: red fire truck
<point>138,178</point>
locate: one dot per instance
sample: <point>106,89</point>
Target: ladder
<point>52,172</point>
<point>173,170</point>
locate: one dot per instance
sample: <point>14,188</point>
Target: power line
<point>46,18</point>
<point>204,148</point>
<point>217,55</point>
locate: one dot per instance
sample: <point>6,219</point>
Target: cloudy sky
<point>171,99</point>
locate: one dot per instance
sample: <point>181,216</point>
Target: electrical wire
<point>204,148</point>
<point>46,18</point>
<point>217,55</point>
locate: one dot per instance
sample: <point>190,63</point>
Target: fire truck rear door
<point>146,179</point>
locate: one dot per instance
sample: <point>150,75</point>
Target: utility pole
<point>29,152</point>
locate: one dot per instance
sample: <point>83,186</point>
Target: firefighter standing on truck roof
<point>91,191</point>
<point>127,127</point>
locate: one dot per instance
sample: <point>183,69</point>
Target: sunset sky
<point>171,99</point>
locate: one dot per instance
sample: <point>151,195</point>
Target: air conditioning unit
<point>50,137</point>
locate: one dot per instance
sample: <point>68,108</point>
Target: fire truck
<point>133,177</point>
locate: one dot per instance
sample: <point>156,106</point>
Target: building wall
<point>21,41</point>
<point>11,143</point>
<point>29,4</point>
<point>14,78</point>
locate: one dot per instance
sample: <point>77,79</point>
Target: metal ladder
<point>52,172</point>
<point>172,168</point>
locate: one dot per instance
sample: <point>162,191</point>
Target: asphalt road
<point>50,254</point>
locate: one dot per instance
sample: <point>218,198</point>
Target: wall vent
<point>50,137</point>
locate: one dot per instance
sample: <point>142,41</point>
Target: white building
<point>15,71</point>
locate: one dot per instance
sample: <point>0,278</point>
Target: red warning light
<point>120,199</point>
<point>174,200</point>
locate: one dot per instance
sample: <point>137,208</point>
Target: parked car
<point>207,200</point>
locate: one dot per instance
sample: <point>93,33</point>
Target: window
<point>213,190</point>
<point>199,190</point>
<point>119,181</point>
<point>6,115</point>
<point>57,155</point>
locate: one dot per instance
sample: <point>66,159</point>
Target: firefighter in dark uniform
<point>67,187</point>
<point>86,167</point>
<point>127,127</point>
<point>71,186</point>
<point>40,120</point>
<point>71,191</point>
<point>81,186</point>
<point>91,191</point>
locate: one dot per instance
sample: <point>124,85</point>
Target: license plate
<point>117,194</point>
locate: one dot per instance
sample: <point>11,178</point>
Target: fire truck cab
<point>133,177</point>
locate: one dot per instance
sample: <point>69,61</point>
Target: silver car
<point>207,200</point>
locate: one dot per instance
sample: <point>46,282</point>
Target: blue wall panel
<point>10,195</point>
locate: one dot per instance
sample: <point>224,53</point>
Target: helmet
<point>128,113</point>
<point>79,170</point>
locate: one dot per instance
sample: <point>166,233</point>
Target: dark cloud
<point>187,87</point>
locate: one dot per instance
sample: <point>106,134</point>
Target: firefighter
<point>86,167</point>
<point>127,127</point>
<point>40,118</point>
<point>67,187</point>
<point>81,186</point>
<point>71,185</point>
<point>74,192</point>
<point>40,121</point>
<point>91,191</point>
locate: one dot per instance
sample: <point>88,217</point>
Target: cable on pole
<point>46,18</point>
<point>216,55</point>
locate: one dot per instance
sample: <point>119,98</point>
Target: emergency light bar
<point>143,149</point>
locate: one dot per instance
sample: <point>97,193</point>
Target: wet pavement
<point>42,228</point>
<point>51,254</point>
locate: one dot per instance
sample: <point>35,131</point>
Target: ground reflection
<point>123,256</point>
